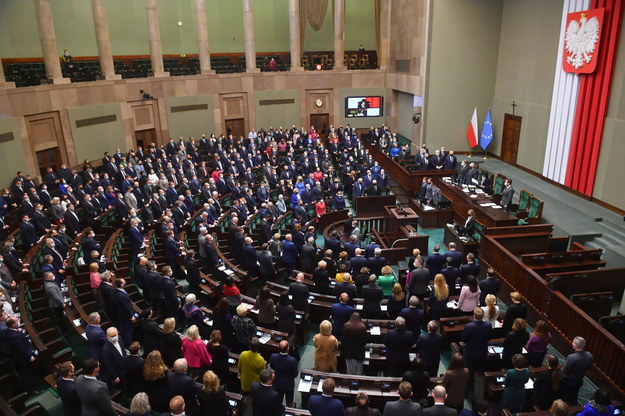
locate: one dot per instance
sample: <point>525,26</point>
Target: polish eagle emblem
<point>581,41</point>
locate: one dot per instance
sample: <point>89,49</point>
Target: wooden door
<point>510,138</point>
<point>49,158</point>
<point>321,123</point>
<point>236,127</point>
<point>143,138</point>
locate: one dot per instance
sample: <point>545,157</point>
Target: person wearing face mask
<point>28,232</point>
<point>56,302</point>
<point>67,62</point>
<point>125,311</point>
<point>62,237</point>
<point>6,278</point>
<point>113,353</point>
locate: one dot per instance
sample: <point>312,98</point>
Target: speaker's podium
<point>398,235</point>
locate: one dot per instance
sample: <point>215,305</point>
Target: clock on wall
<point>319,102</point>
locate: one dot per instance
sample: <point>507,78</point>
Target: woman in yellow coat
<point>326,347</point>
<point>251,363</point>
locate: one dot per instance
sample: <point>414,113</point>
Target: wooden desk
<point>462,202</point>
<point>432,218</point>
<point>394,218</point>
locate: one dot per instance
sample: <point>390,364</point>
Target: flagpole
<point>485,153</point>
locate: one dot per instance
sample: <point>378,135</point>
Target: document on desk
<point>367,354</point>
<point>496,206</point>
<point>375,330</point>
<point>265,338</point>
<point>495,350</point>
<point>529,384</point>
<point>488,204</point>
<point>427,208</point>
<point>320,385</point>
<point>359,306</point>
<point>452,304</point>
<point>304,385</point>
<point>474,196</point>
<point>384,308</point>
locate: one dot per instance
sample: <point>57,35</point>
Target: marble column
<point>101,24</point>
<point>3,84</point>
<point>202,37</point>
<point>296,53</point>
<point>47,37</point>
<point>154,37</point>
<point>250,40</point>
<point>385,34</point>
<point>339,33</point>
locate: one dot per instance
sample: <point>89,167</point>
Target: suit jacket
<point>372,295</point>
<point>357,263</point>
<point>113,362</point>
<point>490,285</point>
<point>334,245</point>
<point>375,265</point>
<point>266,401</point>
<point>398,343</point>
<point>506,197</point>
<point>96,338</point>
<point>414,320</point>
<point>94,397</point>
<point>435,263</point>
<point>69,396</point>
<point>133,365</point>
<point>402,408</point>
<point>419,280</point>
<point>20,347</point>
<point>429,346</point>
<point>341,312</point>
<point>53,292</point>
<point>319,405</point>
<point>170,298</point>
<point>476,335</point>
<point>308,258</point>
<point>265,261</point>
<point>136,239</point>
<point>289,252</point>
<point>439,410</point>
<point>27,230</point>
<point>471,269</point>
<point>299,293</point>
<point>72,223</point>
<point>456,257</point>
<point>183,385</point>
<point>286,370</point>
<point>88,245</point>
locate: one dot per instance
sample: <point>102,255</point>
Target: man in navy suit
<point>333,243</point>
<point>125,312</point>
<point>289,253</point>
<point>299,292</point>
<point>341,312</point>
<point>429,346</point>
<point>20,352</point>
<point>89,244</point>
<point>413,316</point>
<point>325,404</point>
<point>95,336</point>
<point>398,341</point>
<point>27,230</point>
<point>113,353</point>
<point>266,401</point>
<point>376,262</point>
<point>358,261</point>
<point>180,384</point>
<point>454,254</point>
<point>153,281</point>
<point>469,269</point>
<point>370,248</point>
<point>134,363</point>
<point>250,262</point>
<point>172,251</point>
<point>489,286</point>
<point>451,275</point>
<point>66,387</point>
<point>135,238</point>
<point>435,261</point>
<point>286,370</point>
<point>476,335</point>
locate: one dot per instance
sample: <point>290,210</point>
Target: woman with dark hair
<point>514,342</point>
<point>266,308</point>
<point>222,320</point>
<point>513,397</point>
<point>456,381</point>
<point>219,355</point>
<point>537,345</point>
<point>286,314</point>
<point>418,378</point>
<point>232,293</point>
<point>361,407</point>
<point>599,405</point>
<point>353,340</point>
<point>547,384</point>
<point>469,296</point>
<point>151,332</point>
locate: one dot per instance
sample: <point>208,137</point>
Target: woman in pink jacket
<point>469,296</point>
<point>195,352</point>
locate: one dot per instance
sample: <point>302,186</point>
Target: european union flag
<point>487,131</point>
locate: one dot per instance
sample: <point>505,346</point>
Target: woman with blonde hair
<point>172,345</point>
<point>439,296</point>
<point>326,347</point>
<point>194,351</point>
<point>491,311</point>
<point>387,280</point>
<point>396,301</point>
<point>155,377</point>
<point>212,397</point>
<point>559,408</point>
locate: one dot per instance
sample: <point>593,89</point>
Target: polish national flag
<point>472,130</point>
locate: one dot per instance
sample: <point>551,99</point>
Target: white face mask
<point>114,339</point>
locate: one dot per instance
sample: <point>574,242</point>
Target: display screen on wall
<point>364,106</point>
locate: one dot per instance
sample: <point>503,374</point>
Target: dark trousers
<point>288,394</point>
<point>569,389</point>
<point>126,331</point>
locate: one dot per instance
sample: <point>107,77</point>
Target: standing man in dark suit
<point>286,370</point>
<point>170,297</point>
<point>192,269</point>
<point>429,347</point>
<point>358,261</point>
<point>266,268</point>
<point>66,387</point>
<point>439,393</point>
<point>172,251</point>
<point>249,258</point>
<point>180,384</point>
<point>435,261</point>
<point>299,293</point>
<point>153,282</point>
<point>93,393</point>
<point>266,401</point>
<point>455,255</point>
<point>133,363</point>
<point>28,232</point>
<point>341,312</point>
<point>135,242</point>
<point>95,336</point>
<point>345,287</point>
<point>125,311</point>
<point>413,316</point>
<point>451,275</point>
<point>398,341</point>
<point>325,404</point>
<point>507,194</point>
<point>476,335</point>
<point>469,269</point>
<point>21,353</point>
<point>405,406</point>
<point>308,256</point>
<point>376,262</point>
<point>72,222</point>
<point>333,243</point>
<point>290,254</point>
<point>489,286</point>
<point>88,245</point>
<point>373,295</point>
<point>419,280</point>
<point>113,353</point>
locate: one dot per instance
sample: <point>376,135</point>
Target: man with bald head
<point>299,293</point>
<point>439,394</point>
<point>113,353</point>
<point>176,406</point>
<point>341,312</point>
<point>286,370</point>
<point>180,384</point>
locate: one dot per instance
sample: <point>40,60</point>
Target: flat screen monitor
<point>371,106</point>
